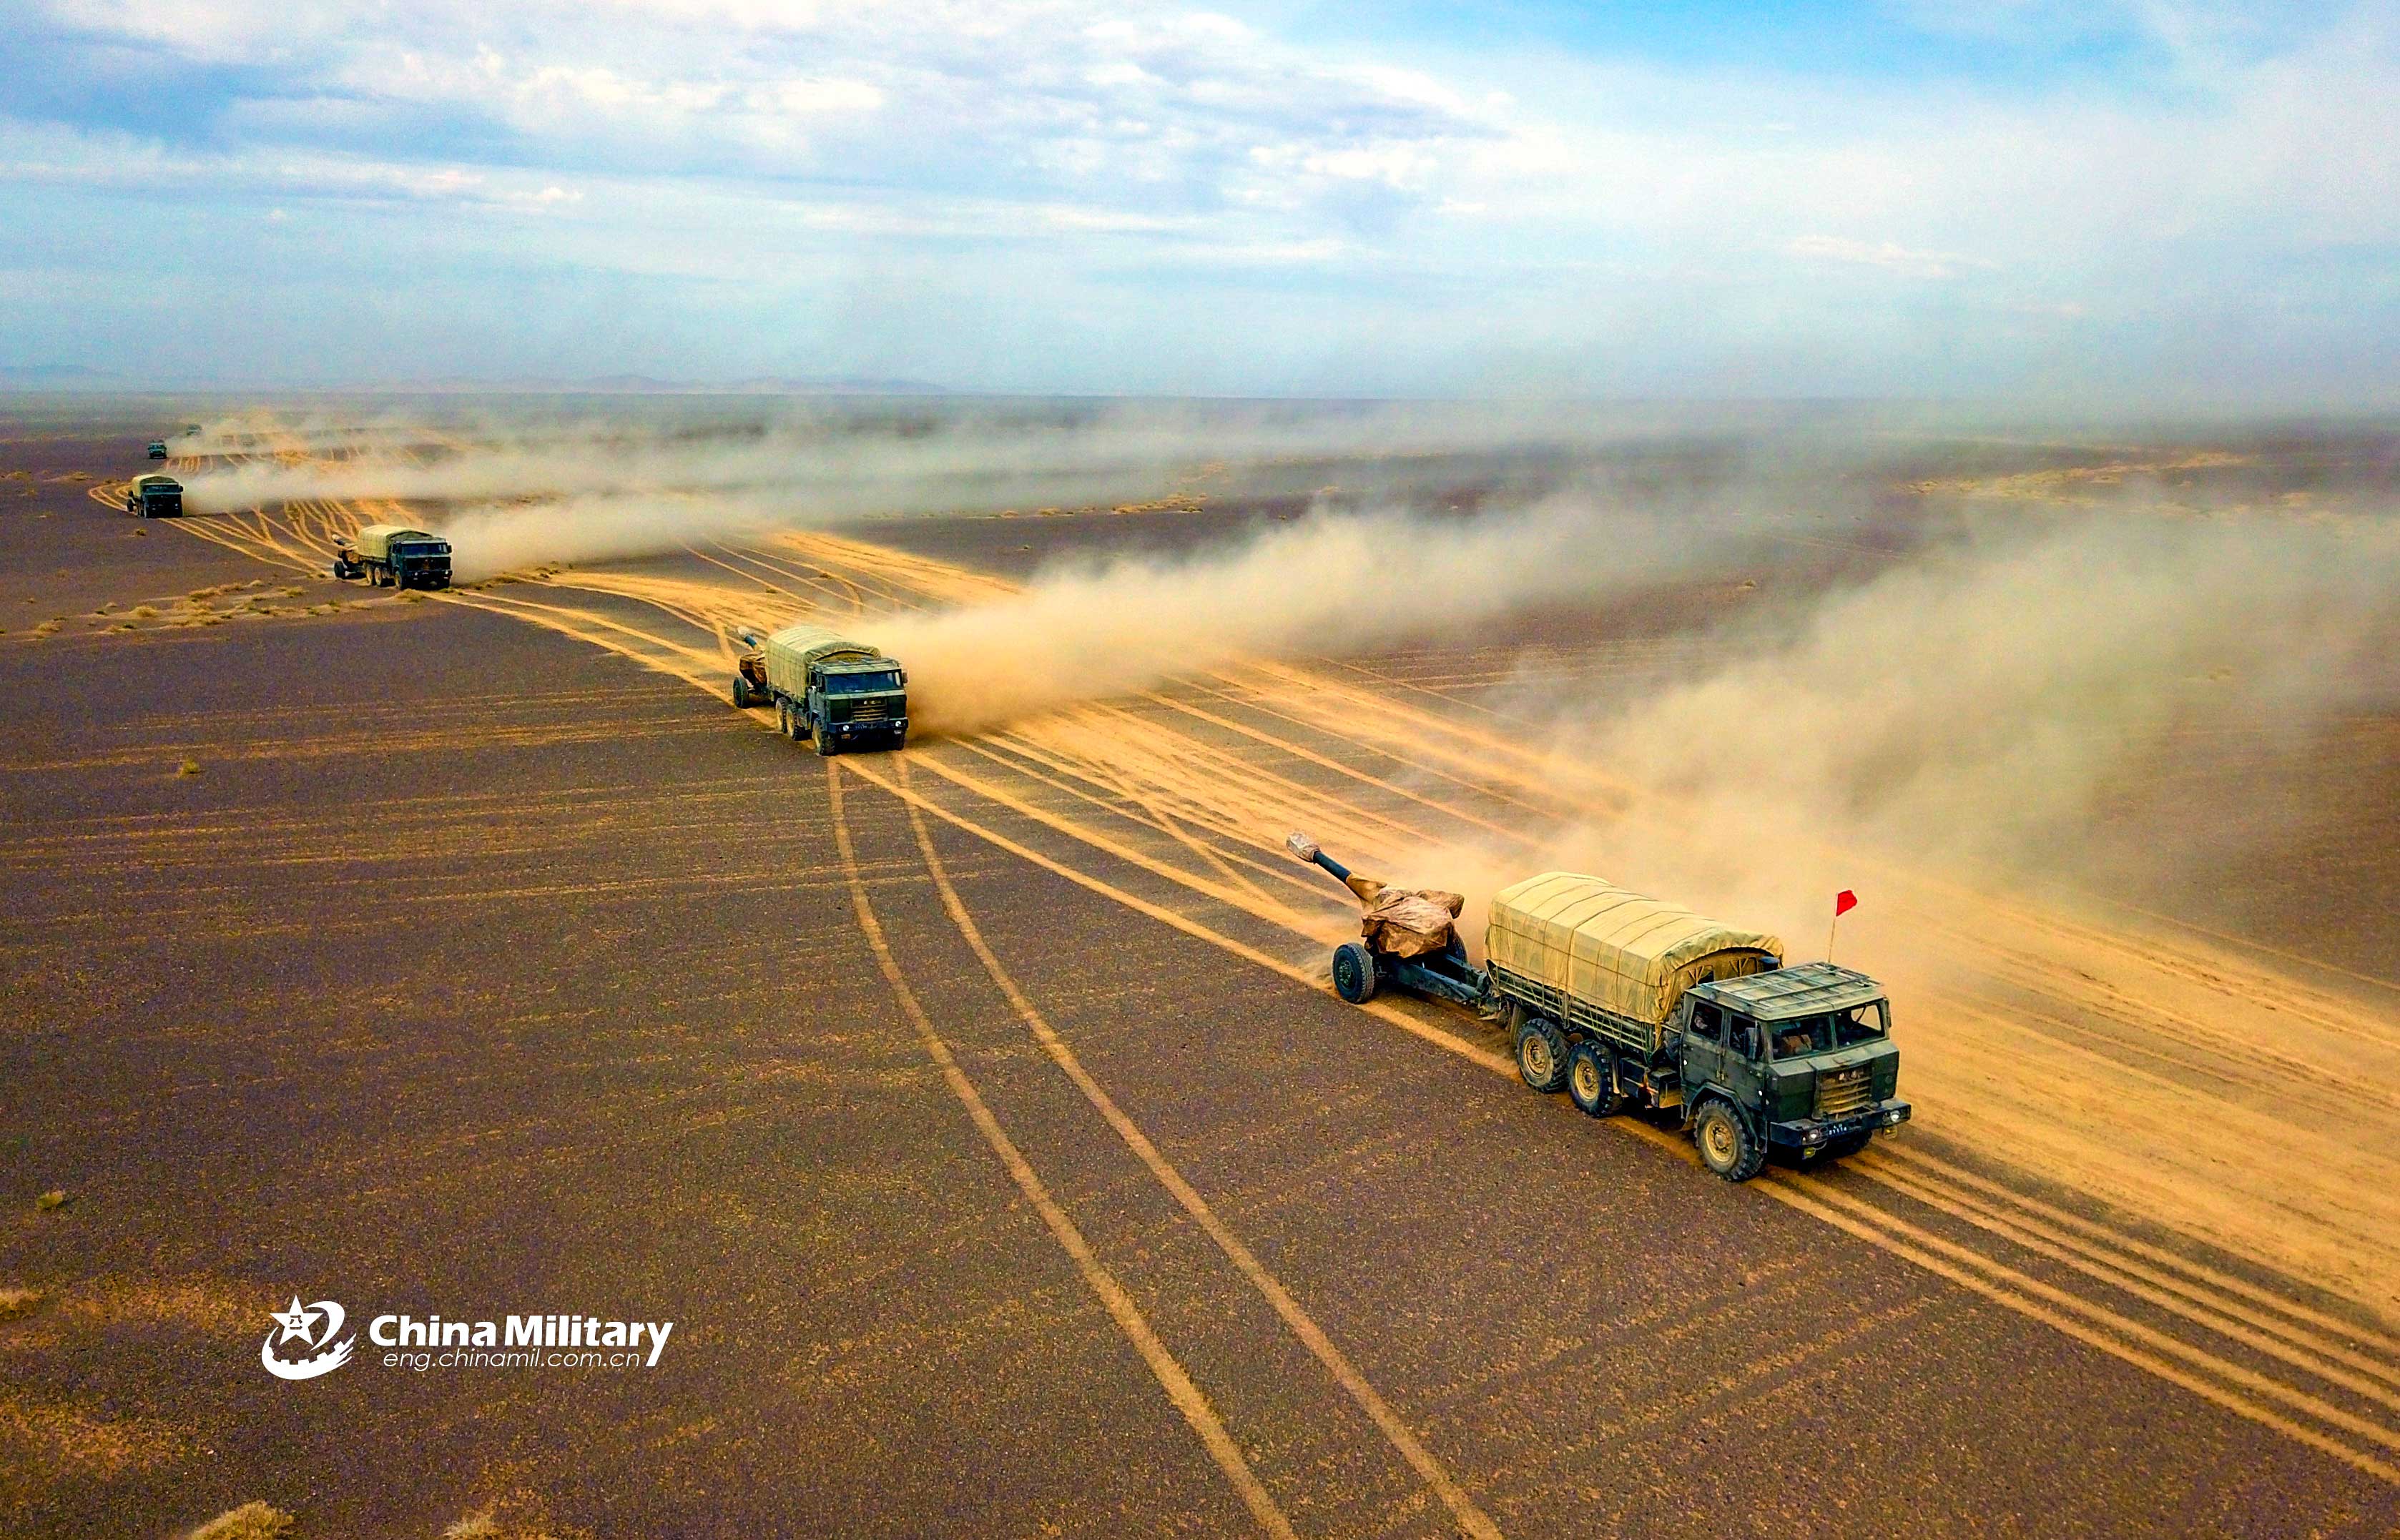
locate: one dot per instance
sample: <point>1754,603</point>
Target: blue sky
<point>2137,203</point>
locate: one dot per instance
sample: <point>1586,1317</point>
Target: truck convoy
<point>390,556</point>
<point>154,497</point>
<point>1623,1001</point>
<point>836,692</point>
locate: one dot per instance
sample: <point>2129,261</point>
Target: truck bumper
<point>1808,1133</point>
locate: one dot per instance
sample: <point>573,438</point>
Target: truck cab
<point>1798,1059</point>
<point>419,561</point>
<point>860,701</point>
<point>158,449</point>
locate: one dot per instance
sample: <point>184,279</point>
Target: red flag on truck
<point>1843,902</point>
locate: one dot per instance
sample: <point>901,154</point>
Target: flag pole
<point>1829,935</point>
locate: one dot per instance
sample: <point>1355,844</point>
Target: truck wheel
<point>1542,1055</point>
<point>1725,1145</point>
<point>1592,1081</point>
<point>819,741</point>
<point>1354,973</point>
<point>1842,1149</point>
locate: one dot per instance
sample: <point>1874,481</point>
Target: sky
<point>2137,203</point>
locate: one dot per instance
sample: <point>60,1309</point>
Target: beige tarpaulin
<point>1406,921</point>
<point>1631,955</point>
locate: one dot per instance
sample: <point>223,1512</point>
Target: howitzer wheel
<point>1591,1081</point>
<point>1541,1054</point>
<point>1354,973</point>
<point>1725,1145</point>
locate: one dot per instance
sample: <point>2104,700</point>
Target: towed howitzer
<point>1407,937</point>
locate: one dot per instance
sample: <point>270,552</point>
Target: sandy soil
<point>980,1117</point>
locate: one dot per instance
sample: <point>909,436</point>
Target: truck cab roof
<point>1802,989</point>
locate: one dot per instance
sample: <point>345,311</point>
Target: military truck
<point>158,449</point>
<point>1622,1001</point>
<point>836,692</point>
<point>390,556</point>
<point>154,497</point>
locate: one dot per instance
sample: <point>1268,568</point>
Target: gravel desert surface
<point>981,1116</point>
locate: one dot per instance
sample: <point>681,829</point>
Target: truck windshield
<point>860,684</point>
<point>1838,1029</point>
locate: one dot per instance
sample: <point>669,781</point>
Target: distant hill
<point>647,385</point>
<point>56,377</point>
<point>77,377</point>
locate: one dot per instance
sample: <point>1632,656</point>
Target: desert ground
<point>981,1114</point>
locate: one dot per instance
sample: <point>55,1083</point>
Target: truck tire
<point>1354,973</point>
<point>819,741</point>
<point>1541,1054</point>
<point>1591,1081</point>
<point>1727,1147</point>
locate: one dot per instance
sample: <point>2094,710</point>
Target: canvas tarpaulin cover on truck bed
<point>791,650</point>
<point>1625,953</point>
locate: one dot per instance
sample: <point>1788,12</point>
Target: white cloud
<point>1568,201</point>
<point>1888,256</point>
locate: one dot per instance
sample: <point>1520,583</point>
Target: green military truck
<point>1621,999</point>
<point>835,692</point>
<point>392,556</point>
<point>154,497</point>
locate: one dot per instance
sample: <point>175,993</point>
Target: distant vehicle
<point>835,692</point>
<point>1624,1001</point>
<point>158,449</point>
<point>191,430</point>
<point>154,497</point>
<point>390,556</point>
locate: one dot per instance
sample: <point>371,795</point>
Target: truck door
<point>1701,1060</point>
<point>1745,1065</point>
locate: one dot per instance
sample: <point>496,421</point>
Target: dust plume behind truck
<point>836,692</point>
<point>1624,1001</point>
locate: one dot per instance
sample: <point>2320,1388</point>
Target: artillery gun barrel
<point>1308,851</point>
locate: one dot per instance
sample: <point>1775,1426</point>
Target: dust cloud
<point>1968,711</point>
<point>1329,582</point>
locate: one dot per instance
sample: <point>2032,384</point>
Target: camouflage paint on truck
<point>154,497</point>
<point>1620,998</point>
<point>834,690</point>
<point>397,556</point>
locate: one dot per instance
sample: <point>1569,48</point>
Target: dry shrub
<point>18,1302</point>
<point>253,1520</point>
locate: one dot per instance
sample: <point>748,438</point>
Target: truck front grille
<point>868,711</point>
<point>1842,1092</point>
